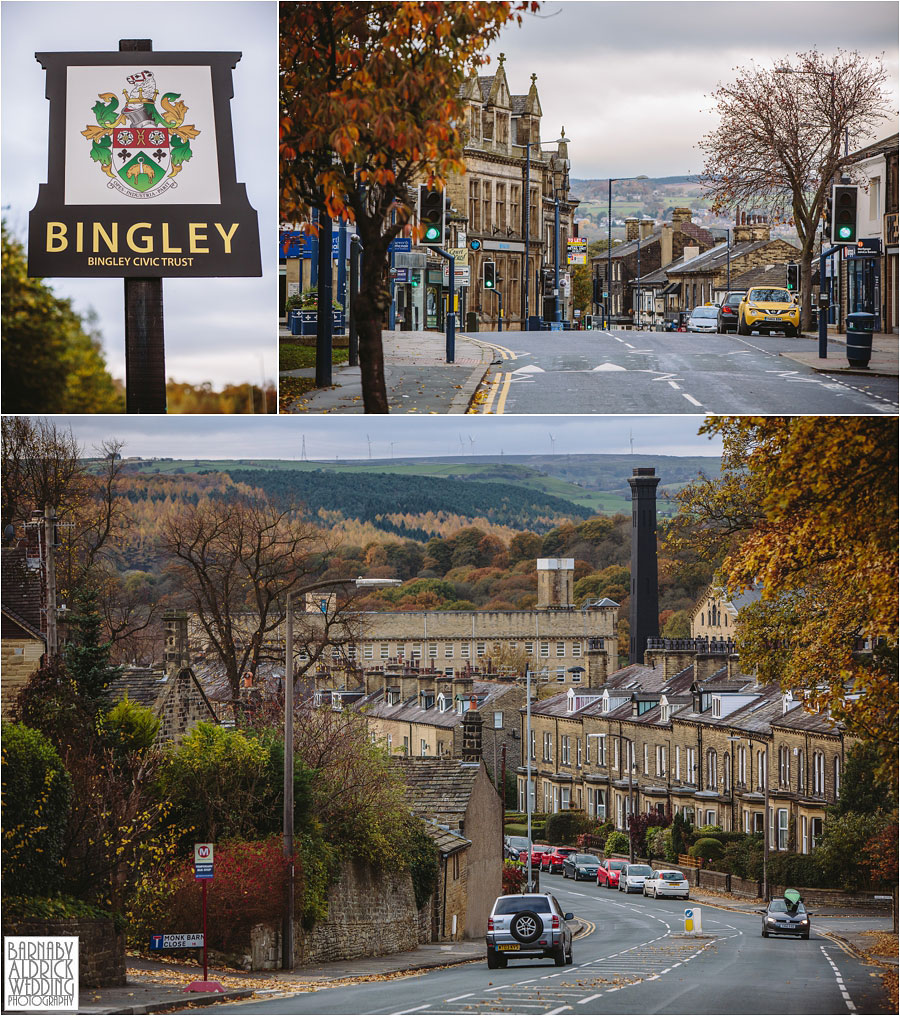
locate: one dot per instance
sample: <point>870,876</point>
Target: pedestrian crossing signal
<point>490,275</point>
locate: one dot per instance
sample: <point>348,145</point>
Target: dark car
<point>559,854</point>
<point>527,926</point>
<point>782,917</point>
<point>580,866</point>
<point>517,848</point>
<point>609,871</point>
<point>728,312</point>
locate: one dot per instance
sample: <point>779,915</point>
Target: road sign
<point>461,273</point>
<point>193,940</point>
<point>203,860</point>
<point>692,919</point>
<point>400,243</point>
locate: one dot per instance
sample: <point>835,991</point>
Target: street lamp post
<point>609,254</point>
<point>739,740</point>
<point>527,231</point>
<point>528,803</point>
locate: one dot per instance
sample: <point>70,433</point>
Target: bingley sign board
<point>141,178</point>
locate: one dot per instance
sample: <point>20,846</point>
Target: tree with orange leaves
<point>806,509</point>
<point>370,105</point>
<point>780,141</point>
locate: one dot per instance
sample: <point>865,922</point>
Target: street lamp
<point>765,807</point>
<point>287,938</point>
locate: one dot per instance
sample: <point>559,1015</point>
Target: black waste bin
<point>471,321</point>
<point>534,323</point>
<point>859,338</point>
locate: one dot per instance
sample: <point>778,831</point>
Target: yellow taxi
<point>765,309</point>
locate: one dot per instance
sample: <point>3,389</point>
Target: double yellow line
<point>497,388</point>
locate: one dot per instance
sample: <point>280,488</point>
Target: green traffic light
<point>845,232</point>
<point>432,233</point>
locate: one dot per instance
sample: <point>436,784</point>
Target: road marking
<point>608,366</point>
<point>402,1012</point>
<point>590,998</point>
<point>628,344</point>
<point>691,399</point>
<point>501,402</point>
<point>562,1008</point>
<point>675,385</point>
<point>840,981</point>
<point>530,368</point>
<point>493,386</point>
<point>456,998</point>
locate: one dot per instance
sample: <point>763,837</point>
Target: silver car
<point>528,926</point>
<point>631,880</point>
<point>703,319</point>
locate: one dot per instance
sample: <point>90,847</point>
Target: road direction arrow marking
<point>608,366</point>
<point>530,369</point>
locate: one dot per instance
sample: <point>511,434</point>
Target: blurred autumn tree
<point>183,397</point>
<point>51,363</point>
<point>779,143</point>
<point>370,106</point>
<point>806,507</point>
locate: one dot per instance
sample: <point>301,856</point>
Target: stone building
<point>688,731</point>
<point>715,614</point>
<point>23,634</point>
<point>488,202</point>
<point>459,796</point>
<point>647,248</point>
<point>704,278</point>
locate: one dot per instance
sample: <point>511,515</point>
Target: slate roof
<point>142,685</point>
<point>799,719</point>
<point>21,588</point>
<point>410,710</point>
<point>717,257</point>
<point>446,840</point>
<point>436,786</point>
<point>767,275</point>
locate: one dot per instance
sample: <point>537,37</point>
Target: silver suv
<point>528,926</point>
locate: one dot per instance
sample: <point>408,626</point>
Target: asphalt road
<point>633,958</point>
<point>670,372</point>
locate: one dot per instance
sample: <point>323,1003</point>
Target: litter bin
<point>859,338</point>
<point>471,321</point>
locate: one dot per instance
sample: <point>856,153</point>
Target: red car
<point>608,873</point>
<point>558,855</point>
<point>544,862</point>
<point>537,852</point>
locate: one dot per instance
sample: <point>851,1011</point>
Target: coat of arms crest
<point>141,147</point>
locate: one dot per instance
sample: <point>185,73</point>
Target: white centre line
<point>675,385</point>
<point>691,399</point>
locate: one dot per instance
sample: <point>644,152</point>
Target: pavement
<point>157,986</point>
<point>417,376</point>
<point>884,361</point>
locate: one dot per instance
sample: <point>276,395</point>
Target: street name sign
<point>188,941</point>
<point>141,177</point>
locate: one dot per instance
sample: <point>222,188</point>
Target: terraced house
<point>689,731</point>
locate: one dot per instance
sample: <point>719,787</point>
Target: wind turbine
<point>552,444</point>
<point>370,445</point>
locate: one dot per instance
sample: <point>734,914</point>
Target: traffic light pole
<point>451,318</point>
<point>823,306</point>
<point>353,339</point>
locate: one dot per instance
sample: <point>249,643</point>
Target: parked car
<point>769,309</point>
<point>781,918</point>
<point>580,866</point>
<point>557,857</point>
<point>727,317</point>
<point>528,926</point>
<point>667,882</point>
<point>545,858</point>
<point>609,871</point>
<point>702,319</point>
<point>631,880</point>
<point>516,847</point>
<point>537,852</point>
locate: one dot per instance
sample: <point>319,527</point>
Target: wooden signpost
<point>141,185</point>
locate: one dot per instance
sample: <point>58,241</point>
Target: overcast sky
<point>219,330</point>
<point>629,81</point>
<point>347,437</point>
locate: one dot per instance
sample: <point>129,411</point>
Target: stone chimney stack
<point>177,653</point>
<point>644,617</point>
<point>597,665</point>
<point>680,215</point>
<point>646,226</point>
<point>556,582</point>
<point>471,733</point>
<point>632,228</point>
<point>749,228</point>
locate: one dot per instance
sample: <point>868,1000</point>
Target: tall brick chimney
<point>471,733</point>
<point>644,617</point>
